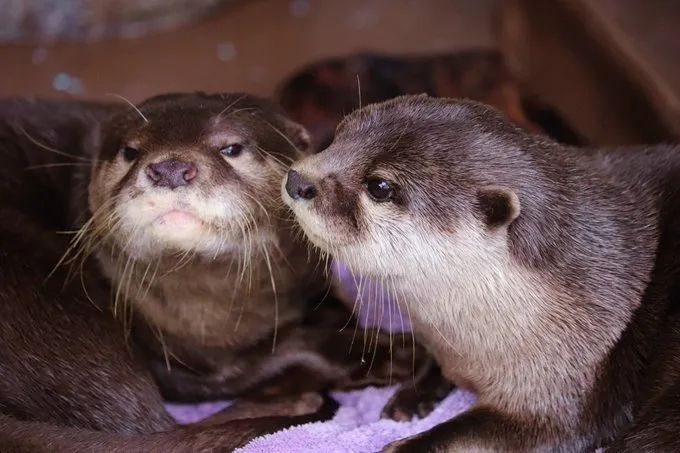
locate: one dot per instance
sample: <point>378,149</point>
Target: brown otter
<point>176,207</point>
<point>542,276</point>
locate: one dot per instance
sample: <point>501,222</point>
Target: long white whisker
<point>123,98</point>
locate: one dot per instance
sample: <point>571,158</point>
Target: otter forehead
<point>195,120</point>
<point>437,152</point>
<point>421,135</point>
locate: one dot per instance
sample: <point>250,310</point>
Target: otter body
<point>182,279</point>
<point>543,277</point>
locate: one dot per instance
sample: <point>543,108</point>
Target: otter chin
<point>179,228</point>
<point>537,274</point>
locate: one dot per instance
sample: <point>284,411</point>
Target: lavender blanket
<point>357,426</point>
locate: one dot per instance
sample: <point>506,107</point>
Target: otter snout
<point>171,173</point>
<point>297,186</point>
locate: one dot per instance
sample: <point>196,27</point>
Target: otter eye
<point>129,153</point>
<point>380,189</point>
<point>232,150</point>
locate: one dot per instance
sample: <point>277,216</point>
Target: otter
<point>542,276</point>
<point>183,279</point>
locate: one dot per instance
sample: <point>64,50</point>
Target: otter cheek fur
<point>533,272</point>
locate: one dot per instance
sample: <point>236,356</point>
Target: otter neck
<point>232,301</point>
<point>499,329</point>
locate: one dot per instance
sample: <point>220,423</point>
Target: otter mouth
<point>178,217</point>
<point>179,227</point>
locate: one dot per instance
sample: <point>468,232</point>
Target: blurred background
<point>584,72</point>
<point>140,48</point>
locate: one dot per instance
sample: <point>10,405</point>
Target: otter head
<point>191,173</point>
<point>410,186</point>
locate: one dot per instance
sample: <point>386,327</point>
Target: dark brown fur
<point>71,378</point>
<point>591,236</point>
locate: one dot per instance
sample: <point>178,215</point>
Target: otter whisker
<point>389,308</point>
<point>413,337</point>
<point>219,248</point>
<point>89,246</point>
<point>277,160</point>
<point>359,90</point>
<point>119,283</point>
<point>123,98</point>
<point>82,284</point>
<point>51,149</point>
<point>164,348</point>
<point>236,101</point>
<point>123,254</point>
<point>251,223</point>
<point>397,303</point>
<point>79,236</point>
<point>375,329</point>
<point>242,263</point>
<point>361,305</point>
<point>287,159</point>
<point>152,279</point>
<point>259,204</point>
<point>357,320</point>
<point>284,136</point>
<point>370,306</point>
<point>356,300</point>
<point>276,300</point>
<point>329,287</point>
<point>57,164</point>
<point>127,306</point>
<point>184,259</point>
<point>141,282</point>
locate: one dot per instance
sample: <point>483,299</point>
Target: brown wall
<point>268,40</point>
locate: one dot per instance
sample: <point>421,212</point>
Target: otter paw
<point>408,402</point>
<point>405,404</point>
<point>408,445</point>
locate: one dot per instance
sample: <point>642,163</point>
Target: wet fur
<point>542,276</point>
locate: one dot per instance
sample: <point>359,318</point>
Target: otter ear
<point>499,206</point>
<point>299,136</point>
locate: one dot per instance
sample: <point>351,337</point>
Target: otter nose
<point>171,173</point>
<point>298,187</point>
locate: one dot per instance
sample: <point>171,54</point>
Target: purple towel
<point>357,426</point>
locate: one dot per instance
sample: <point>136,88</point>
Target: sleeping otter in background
<point>541,276</point>
<point>179,225</point>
